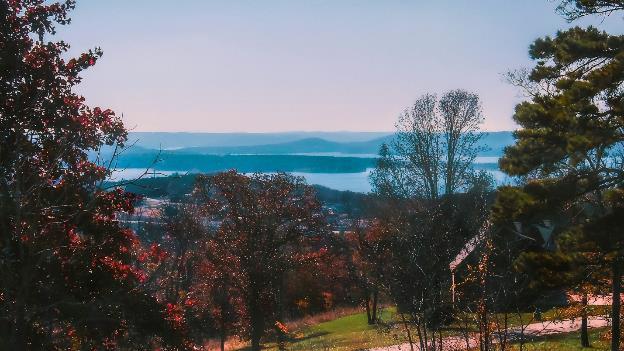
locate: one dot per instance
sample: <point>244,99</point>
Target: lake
<point>357,182</point>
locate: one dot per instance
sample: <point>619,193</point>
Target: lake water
<point>357,182</point>
<point>135,173</point>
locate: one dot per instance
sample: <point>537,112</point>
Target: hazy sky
<point>284,65</point>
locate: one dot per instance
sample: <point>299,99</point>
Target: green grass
<point>567,342</point>
<point>346,333</point>
<point>524,318</point>
<point>352,332</point>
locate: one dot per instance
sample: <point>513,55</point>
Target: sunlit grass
<point>352,332</point>
<point>567,342</point>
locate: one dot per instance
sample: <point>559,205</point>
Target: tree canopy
<point>70,276</point>
<point>569,148</point>
<point>434,148</point>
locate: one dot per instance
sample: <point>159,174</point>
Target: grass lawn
<point>567,342</point>
<point>352,332</point>
<point>346,333</point>
<point>524,318</point>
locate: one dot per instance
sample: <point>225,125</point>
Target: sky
<point>303,65</point>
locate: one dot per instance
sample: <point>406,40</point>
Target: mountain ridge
<point>493,144</point>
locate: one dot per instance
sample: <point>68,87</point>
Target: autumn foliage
<point>257,230</point>
<point>70,276</point>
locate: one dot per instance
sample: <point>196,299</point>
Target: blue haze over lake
<point>337,160</point>
<point>357,182</point>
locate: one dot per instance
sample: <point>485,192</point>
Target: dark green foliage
<point>424,238</point>
<point>573,9</point>
<point>176,188</point>
<point>169,161</point>
<point>569,150</point>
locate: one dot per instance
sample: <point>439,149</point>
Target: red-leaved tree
<point>70,277</point>
<point>260,228</point>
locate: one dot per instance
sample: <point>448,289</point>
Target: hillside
<point>179,140</point>
<point>308,145</point>
<point>285,143</point>
<point>170,161</point>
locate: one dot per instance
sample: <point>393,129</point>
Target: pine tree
<point>572,129</point>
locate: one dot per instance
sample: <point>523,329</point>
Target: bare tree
<point>418,146</point>
<point>460,117</point>
<point>436,143</point>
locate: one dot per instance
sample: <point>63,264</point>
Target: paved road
<point>455,343</point>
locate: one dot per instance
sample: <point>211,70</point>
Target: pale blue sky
<point>284,65</point>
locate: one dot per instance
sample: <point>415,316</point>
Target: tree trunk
<point>506,332</point>
<point>615,307</point>
<point>281,337</point>
<point>223,336</point>
<point>440,339</point>
<point>484,327</point>
<point>18,341</point>
<point>424,333</point>
<point>420,336</point>
<point>374,316</point>
<point>409,334</point>
<point>224,306</point>
<point>256,321</point>
<point>466,332</point>
<point>522,329</point>
<point>584,331</point>
<point>256,335</point>
<point>369,318</point>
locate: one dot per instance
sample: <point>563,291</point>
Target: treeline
<point>176,188</point>
<point>274,143</point>
<point>248,254</point>
<point>170,161</point>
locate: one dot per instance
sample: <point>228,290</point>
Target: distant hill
<point>196,163</point>
<point>309,154</point>
<point>174,140</point>
<point>494,143</point>
<point>308,145</point>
